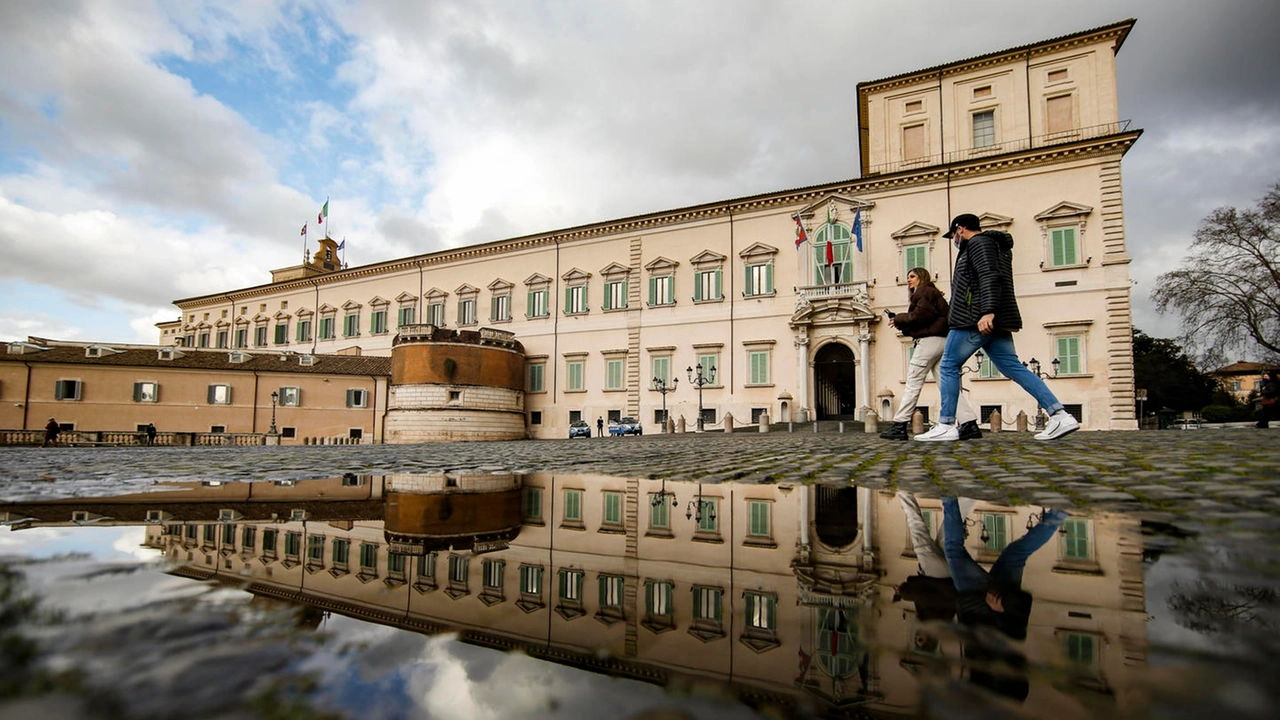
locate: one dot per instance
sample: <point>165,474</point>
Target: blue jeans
<point>962,344</point>
<point>968,575</point>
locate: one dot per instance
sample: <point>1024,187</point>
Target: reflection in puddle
<point>822,600</point>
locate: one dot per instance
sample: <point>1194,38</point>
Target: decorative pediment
<point>1061,211</point>
<point>500,285</point>
<point>993,221</point>
<point>467,289</point>
<point>707,260</point>
<point>758,251</point>
<point>405,297</point>
<point>436,294</point>
<point>661,265</point>
<point>614,270</point>
<point>833,311</point>
<point>915,231</point>
<point>836,200</point>
<point>221,324</point>
<point>576,276</point>
<point>376,301</point>
<point>282,315</point>
<point>241,321</point>
<point>537,280</point>
<point>351,305</point>
<point>327,308</point>
<point>303,312</point>
<point>261,318</point>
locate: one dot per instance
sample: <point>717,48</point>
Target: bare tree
<point>1228,289</point>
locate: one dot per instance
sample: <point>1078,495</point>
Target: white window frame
<point>466,311</point>
<point>615,294</point>
<point>615,374</point>
<point>992,135</point>
<point>60,388</point>
<point>500,308</point>
<point>290,396</point>
<point>575,369</point>
<point>357,398</point>
<point>146,391</point>
<point>219,394</point>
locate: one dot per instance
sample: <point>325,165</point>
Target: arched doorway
<point>835,395</point>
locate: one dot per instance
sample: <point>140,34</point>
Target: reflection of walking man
<point>51,431</point>
<point>993,598</point>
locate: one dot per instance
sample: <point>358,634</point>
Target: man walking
<point>984,315</point>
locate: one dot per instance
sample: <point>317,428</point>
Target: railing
<point>837,290</point>
<point>74,438</point>
<point>1035,141</point>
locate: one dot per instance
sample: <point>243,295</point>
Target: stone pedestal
<point>764,422</point>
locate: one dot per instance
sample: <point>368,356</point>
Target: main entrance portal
<point>834,383</point>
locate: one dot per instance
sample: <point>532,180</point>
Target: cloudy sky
<point>156,150</point>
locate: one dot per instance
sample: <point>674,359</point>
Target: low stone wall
<point>90,438</point>
<point>418,425</point>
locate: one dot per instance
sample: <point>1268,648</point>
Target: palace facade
<point>783,328</point>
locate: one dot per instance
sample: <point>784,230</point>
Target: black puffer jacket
<point>926,316</point>
<point>983,282</point>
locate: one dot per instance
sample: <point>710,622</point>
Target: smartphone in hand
<point>889,312</point>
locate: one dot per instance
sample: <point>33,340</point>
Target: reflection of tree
<point>1212,606</point>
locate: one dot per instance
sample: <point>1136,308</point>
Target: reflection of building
<point>784,593</point>
<point>1029,139</point>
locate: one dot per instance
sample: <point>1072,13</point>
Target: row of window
<point>706,607</point>
<point>996,534</point>
<point>217,394</point>
<point>706,515</point>
<point>759,362</point>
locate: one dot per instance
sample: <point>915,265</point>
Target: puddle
<point>541,595</point>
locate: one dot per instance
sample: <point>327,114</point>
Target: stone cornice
<point>700,213</point>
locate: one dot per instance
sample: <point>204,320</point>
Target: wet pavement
<point>542,579</point>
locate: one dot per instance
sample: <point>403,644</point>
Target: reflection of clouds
<point>25,541</point>
<point>130,543</point>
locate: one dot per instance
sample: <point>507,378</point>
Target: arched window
<point>840,267</point>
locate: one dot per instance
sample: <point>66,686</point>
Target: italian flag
<point>324,212</point>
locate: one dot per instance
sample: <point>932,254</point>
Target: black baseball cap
<point>968,221</point>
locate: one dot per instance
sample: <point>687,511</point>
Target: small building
<point>1241,378</point>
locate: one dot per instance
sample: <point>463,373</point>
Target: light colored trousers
<point>926,357</point>
<point>929,552</point>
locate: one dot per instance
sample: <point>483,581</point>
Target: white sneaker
<point>1062,423</point>
<point>940,433</point>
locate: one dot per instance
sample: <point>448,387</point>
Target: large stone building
<point>1029,139</point>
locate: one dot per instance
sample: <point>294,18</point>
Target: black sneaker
<point>970,430</point>
<point>896,431</point>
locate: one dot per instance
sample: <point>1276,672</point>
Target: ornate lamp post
<point>275,396</point>
<point>660,385</point>
<point>707,507</point>
<point>662,495</point>
<point>699,380</point>
<point>1034,366</point>
<point>964,369</point>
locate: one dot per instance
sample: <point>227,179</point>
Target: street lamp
<point>275,396</point>
<point>662,495</point>
<point>660,385</point>
<point>1034,366</point>
<point>964,369</point>
<point>702,505</point>
<point>699,380</point>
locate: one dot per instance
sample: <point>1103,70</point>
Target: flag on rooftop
<point>304,229</point>
<point>324,213</point>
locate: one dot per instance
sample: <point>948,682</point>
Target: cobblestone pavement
<point>1207,474</point>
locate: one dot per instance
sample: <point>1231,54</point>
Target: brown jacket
<point>926,316</point>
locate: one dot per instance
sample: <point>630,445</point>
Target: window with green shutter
<point>341,551</point>
<point>531,580</point>
<point>405,316</point>
<point>532,504</point>
<point>573,505</point>
<point>315,549</point>
<point>368,556</point>
<point>282,333</point>
<point>659,513</point>
<point>575,299</point>
<point>615,295</point>
<point>537,377</point>
<point>761,611</point>
<point>326,328</point>
<point>662,370</point>
<point>613,375</point>
<point>571,585</point>
<point>707,285</point>
<point>538,306</point>
<point>759,521</point>
<point>1069,355</point>
<point>759,280</point>
<point>759,360</point>
<point>1064,247</point>
<point>612,508</point>
<point>574,371</point>
<point>916,256</point>
<point>351,325</point>
<point>662,290</point>
<point>709,363</point>
<point>303,329</point>
<point>378,322</point>
<point>1075,544</point>
<point>707,605</point>
<point>997,528</point>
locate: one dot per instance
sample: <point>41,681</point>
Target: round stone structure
<point>455,385</point>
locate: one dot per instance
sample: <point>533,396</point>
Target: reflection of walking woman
<point>926,321</point>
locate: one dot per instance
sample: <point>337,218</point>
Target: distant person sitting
<point>51,432</point>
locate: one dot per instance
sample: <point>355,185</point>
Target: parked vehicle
<point>579,428</point>
<point>626,426</point>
